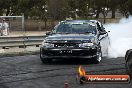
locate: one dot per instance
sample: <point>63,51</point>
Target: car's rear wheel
<point>98,58</point>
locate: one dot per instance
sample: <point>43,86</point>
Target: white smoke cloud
<point>120,37</point>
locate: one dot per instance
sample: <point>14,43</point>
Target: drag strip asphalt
<point>29,72</point>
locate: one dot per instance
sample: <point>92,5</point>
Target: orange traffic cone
<point>65,85</point>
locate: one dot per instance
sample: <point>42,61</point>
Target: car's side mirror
<point>108,31</point>
<point>48,33</point>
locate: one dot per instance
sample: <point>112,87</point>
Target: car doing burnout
<point>75,39</point>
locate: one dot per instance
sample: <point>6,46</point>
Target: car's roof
<point>79,21</point>
<point>76,21</point>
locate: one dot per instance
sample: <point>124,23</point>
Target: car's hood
<point>71,37</point>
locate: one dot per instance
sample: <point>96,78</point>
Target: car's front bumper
<point>68,53</point>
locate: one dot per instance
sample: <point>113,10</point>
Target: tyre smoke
<point>120,37</point>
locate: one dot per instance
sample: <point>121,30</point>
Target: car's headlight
<point>86,44</point>
<point>47,45</point>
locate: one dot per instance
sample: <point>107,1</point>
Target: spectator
<point>5,28</point>
<point>0,29</point>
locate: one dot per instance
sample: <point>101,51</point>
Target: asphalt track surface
<point>29,72</point>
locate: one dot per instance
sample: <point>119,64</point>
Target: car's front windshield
<point>75,28</point>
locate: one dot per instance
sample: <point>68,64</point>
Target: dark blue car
<point>85,39</point>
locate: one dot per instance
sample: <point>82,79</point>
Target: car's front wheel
<point>44,59</point>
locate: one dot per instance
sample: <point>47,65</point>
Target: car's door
<point>104,39</point>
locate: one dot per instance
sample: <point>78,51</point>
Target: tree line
<point>61,9</point>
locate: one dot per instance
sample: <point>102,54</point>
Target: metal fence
<point>21,41</point>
